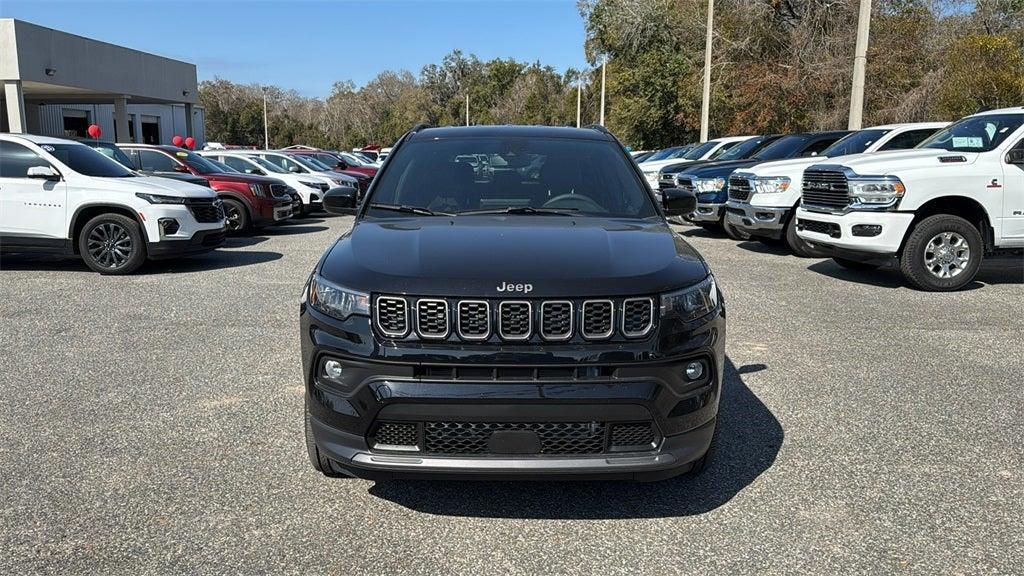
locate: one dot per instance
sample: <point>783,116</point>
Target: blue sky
<point>307,45</point>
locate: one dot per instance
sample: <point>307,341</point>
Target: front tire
<point>942,253</point>
<point>798,245</point>
<point>236,216</point>
<point>112,244</point>
<point>320,463</point>
<point>733,232</point>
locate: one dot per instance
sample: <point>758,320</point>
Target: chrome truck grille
<point>555,320</point>
<point>739,188</point>
<point>824,189</point>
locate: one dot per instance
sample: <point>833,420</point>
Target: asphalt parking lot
<point>152,425</point>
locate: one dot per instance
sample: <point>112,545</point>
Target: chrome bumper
<point>706,213</point>
<point>757,220</point>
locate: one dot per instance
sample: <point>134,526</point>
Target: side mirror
<point>293,169</point>
<point>678,202</point>
<point>340,201</point>
<point>1015,157</point>
<point>43,172</point>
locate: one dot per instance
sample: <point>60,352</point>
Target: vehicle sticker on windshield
<point>181,154</point>
<point>47,147</point>
<point>967,142</point>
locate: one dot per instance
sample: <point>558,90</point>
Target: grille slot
<point>825,188</point>
<point>397,436</point>
<point>598,319</point>
<point>739,188</point>
<point>830,228</point>
<point>685,183</point>
<point>556,320</point>
<point>555,437</point>
<point>392,316</point>
<point>206,211</point>
<point>432,318</point>
<point>633,435</point>
<point>637,317</point>
<point>474,319</point>
<point>515,320</point>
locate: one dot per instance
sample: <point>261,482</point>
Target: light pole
<point>467,109</point>
<point>266,130</point>
<point>579,101</point>
<point>705,106</point>
<point>604,65</point>
<point>860,62</point>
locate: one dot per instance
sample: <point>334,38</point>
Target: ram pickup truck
<point>935,211</point>
<point>709,150</point>
<point>61,197</point>
<point>546,324</point>
<point>711,181</point>
<point>763,198</point>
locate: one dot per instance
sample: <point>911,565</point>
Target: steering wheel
<point>575,201</point>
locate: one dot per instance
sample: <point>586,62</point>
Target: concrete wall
<point>171,120</point>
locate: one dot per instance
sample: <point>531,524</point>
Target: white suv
<point>311,187</point>
<point>59,196</point>
<point>763,198</point>
<point>936,209</point>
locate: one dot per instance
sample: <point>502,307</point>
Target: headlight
<point>769,184</point>
<point>691,303</point>
<point>158,199</point>
<point>339,181</point>
<point>256,189</point>
<point>336,301</point>
<point>876,190</point>
<point>650,173</point>
<point>310,184</point>
<point>708,184</point>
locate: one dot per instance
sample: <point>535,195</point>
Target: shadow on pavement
<point>216,260</point>
<point>994,270</point>
<point>291,229</point>
<point>773,248</point>
<point>698,232</point>
<point>749,438</point>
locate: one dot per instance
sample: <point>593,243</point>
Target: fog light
<point>867,230</point>
<point>695,370</point>
<point>169,226</point>
<point>332,369</point>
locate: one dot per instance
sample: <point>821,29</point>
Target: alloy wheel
<point>946,255</point>
<point>110,245</point>
<point>233,217</point>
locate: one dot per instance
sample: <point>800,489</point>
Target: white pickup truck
<point>937,209</point>
<point>763,198</point>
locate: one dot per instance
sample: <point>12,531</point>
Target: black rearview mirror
<point>678,202</point>
<point>340,201</point>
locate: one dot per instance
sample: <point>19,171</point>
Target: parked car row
<point>932,198</point>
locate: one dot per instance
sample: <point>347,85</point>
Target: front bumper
<point>838,230</point>
<point>200,242</point>
<point>710,212</point>
<point>760,221</point>
<point>604,384</point>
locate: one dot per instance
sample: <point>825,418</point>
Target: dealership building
<point>58,84</point>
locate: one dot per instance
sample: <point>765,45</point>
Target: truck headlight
<point>336,301</point>
<point>876,190</point>
<point>691,303</point>
<point>703,185</point>
<point>769,184</point>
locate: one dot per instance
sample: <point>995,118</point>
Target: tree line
<point>777,66</point>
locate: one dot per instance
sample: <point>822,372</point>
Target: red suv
<point>250,201</point>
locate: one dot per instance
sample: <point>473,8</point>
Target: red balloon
<point>94,131</point>
<point>190,143</point>
<point>177,140</point>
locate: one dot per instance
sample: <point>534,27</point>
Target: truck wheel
<point>236,216</point>
<point>733,232</point>
<point>798,245</point>
<point>856,264</point>
<point>320,463</point>
<point>112,244</point>
<point>943,252</point>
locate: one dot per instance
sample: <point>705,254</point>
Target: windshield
<point>663,154</point>
<point>111,151</point>
<point>976,133</point>
<point>350,159</point>
<point>85,160</point>
<point>223,167</point>
<point>310,163</point>
<point>785,147</point>
<point>701,150</point>
<point>198,163</point>
<point>549,175</point>
<point>854,143</point>
<point>266,165</point>
<point>746,148</point>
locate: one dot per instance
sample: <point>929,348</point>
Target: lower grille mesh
<point>555,437</point>
<point>635,434</point>
<point>397,434</point>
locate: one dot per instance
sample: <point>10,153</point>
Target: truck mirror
<point>340,201</point>
<point>1015,156</point>
<point>678,202</point>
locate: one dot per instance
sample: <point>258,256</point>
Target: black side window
<point>908,139</point>
<point>240,165</point>
<point>152,161</point>
<point>818,146</point>
<point>15,160</point>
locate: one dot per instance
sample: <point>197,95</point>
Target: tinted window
<point>818,146</point>
<point>721,151</point>
<point>239,164</point>
<point>311,163</point>
<point>286,163</point>
<point>976,133</point>
<point>87,161</point>
<point>700,150</point>
<point>15,160</point>
<point>854,143</point>
<point>663,154</point>
<point>747,148</point>
<point>785,147</point>
<point>266,165</point>
<point>908,139</point>
<point>111,151</point>
<point>198,163</point>
<point>326,159</point>
<point>153,161</point>
<point>587,177</point>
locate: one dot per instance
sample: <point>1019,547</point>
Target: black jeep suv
<point>537,319</point>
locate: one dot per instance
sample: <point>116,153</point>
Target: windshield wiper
<point>409,209</point>
<point>523,210</point>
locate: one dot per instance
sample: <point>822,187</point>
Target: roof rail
<point>419,127</point>
<point>599,128</point>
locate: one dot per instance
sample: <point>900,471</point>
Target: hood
<point>153,185</point>
<point>474,255</point>
<point>882,163</point>
<point>716,169</point>
<point>786,167</point>
<point>658,164</point>
<point>179,187</point>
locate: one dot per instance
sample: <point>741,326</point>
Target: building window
<point>76,123</point>
<point>150,129</point>
<point>131,128</point>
